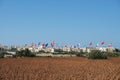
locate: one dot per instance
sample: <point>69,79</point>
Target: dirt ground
<point>59,69</point>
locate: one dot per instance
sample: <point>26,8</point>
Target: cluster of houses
<point>67,49</point>
<point>12,49</point>
<point>52,49</point>
<point>89,49</point>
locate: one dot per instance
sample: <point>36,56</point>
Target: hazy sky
<point>64,21</point>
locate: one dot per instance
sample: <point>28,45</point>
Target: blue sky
<point>64,21</point>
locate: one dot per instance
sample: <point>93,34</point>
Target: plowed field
<point>59,69</point>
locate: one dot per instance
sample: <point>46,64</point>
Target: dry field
<point>59,69</point>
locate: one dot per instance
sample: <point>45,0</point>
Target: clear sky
<point>64,21</point>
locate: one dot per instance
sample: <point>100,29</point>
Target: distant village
<point>50,48</point>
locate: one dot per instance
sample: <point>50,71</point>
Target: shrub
<point>80,54</point>
<point>112,54</point>
<point>13,49</point>
<point>73,52</point>
<point>96,54</point>
<point>25,53</point>
<point>1,55</point>
<point>59,50</point>
<point>41,51</point>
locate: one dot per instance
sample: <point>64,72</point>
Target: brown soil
<point>59,69</point>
